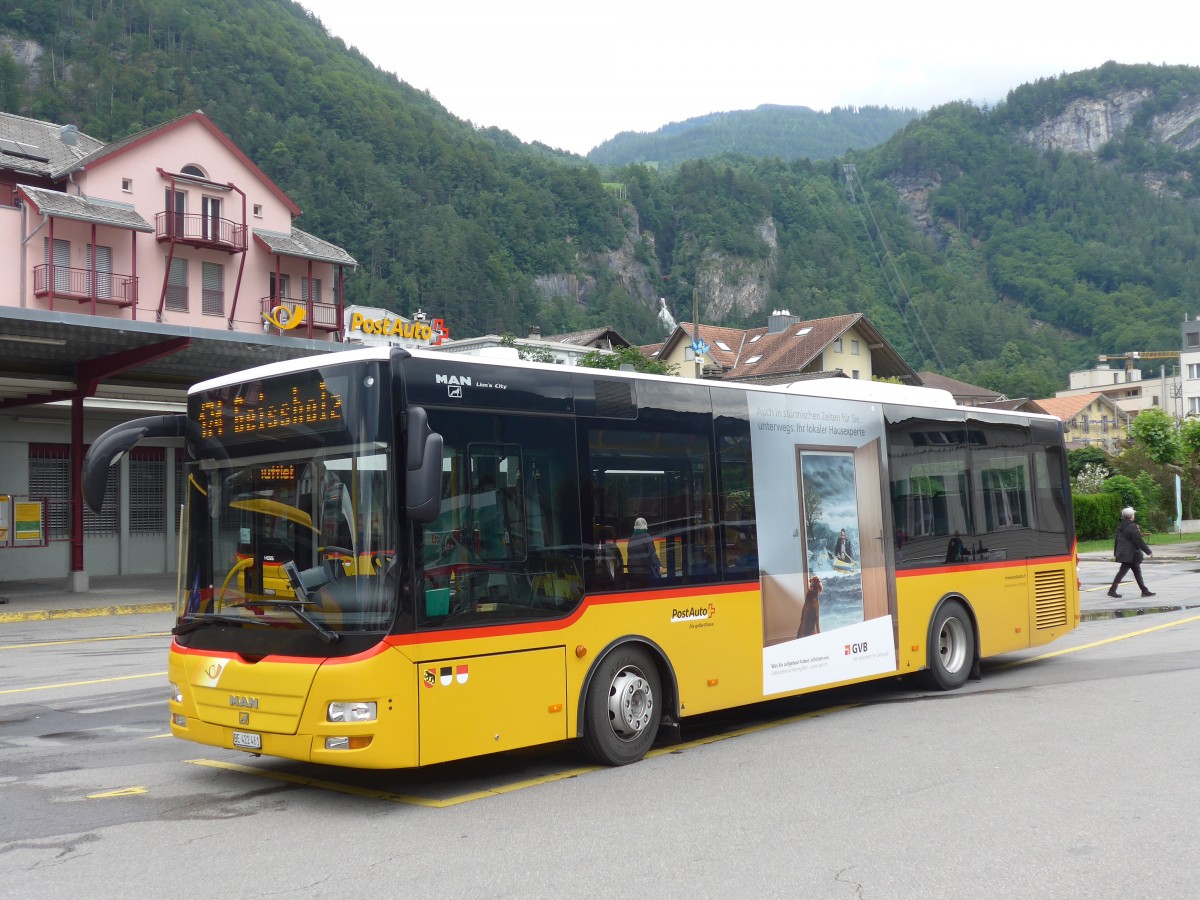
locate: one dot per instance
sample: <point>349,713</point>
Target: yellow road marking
<point>42,615</point>
<point>122,637</point>
<point>1100,643</point>
<point>67,684</point>
<point>120,792</point>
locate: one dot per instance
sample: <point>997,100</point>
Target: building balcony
<point>200,231</point>
<point>84,285</point>
<point>281,312</point>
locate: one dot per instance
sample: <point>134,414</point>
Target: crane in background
<point>1134,356</point>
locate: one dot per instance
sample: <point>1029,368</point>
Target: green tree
<point>527,352</point>
<point>1125,487</point>
<point>1154,430</point>
<point>626,356</point>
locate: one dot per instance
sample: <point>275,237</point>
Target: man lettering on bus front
<point>1128,547</point>
<point>641,557</point>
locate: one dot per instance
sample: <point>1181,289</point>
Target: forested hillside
<point>977,251</point>
<point>789,132</point>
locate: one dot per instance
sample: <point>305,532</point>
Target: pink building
<point>128,271</point>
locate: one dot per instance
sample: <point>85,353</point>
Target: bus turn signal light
<point>581,651</point>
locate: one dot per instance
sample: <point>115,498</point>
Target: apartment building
<point>129,271</point>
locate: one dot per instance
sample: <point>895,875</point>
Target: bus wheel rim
<point>630,704</point>
<point>952,645</point>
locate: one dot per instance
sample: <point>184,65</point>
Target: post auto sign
<point>377,326</point>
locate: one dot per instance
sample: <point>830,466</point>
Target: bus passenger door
<point>474,705</point>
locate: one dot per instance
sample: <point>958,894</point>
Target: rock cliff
<point>1087,124</point>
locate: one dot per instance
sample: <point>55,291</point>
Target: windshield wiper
<point>204,620</point>
<point>328,636</point>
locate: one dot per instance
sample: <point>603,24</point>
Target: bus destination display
<point>262,409</point>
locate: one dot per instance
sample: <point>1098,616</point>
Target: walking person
<point>1128,547</point>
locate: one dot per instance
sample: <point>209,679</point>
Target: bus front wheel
<point>623,707</point>
<point>951,647</point>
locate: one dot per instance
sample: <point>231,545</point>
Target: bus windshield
<point>291,522</point>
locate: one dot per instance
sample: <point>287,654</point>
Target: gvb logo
<point>855,649</point>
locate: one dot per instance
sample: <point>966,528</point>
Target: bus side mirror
<point>423,469</point>
<point>115,443</point>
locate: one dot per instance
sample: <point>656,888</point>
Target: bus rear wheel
<point>622,710</point>
<point>951,647</point>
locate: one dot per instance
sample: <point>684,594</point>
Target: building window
<point>210,218</point>
<point>50,477</point>
<point>258,210</point>
<point>1193,371</point>
<point>280,288</point>
<point>177,286</point>
<point>61,263</point>
<point>127,185</point>
<point>1104,424</point>
<point>837,346</point>
<point>1193,338</point>
<point>1194,406</point>
<point>212,290</point>
<point>104,279</point>
<point>316,289</point>
<point>147,490</point>
<point>1085,425</point>
<point>854,373</point>
<point>854,348</point>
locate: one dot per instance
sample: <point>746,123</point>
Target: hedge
<point>1096,515</point>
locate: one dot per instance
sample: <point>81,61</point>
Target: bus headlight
<point>351,711</point>
<point>176,693</point>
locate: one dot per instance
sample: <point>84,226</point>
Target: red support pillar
<point>77,576</point>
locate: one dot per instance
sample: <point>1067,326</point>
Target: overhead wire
<point>903,305</point>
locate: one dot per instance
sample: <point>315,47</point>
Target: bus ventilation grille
<point>614,400</point>
<point>1050,591</point>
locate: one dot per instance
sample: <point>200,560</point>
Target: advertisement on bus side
<point>828,605</point>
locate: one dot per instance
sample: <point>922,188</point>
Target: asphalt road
<point>1066,772</point>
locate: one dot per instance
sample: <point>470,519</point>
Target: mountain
<point>789,132</point>
<point>999,246</point>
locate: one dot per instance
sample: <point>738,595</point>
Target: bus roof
<point>835,388</point>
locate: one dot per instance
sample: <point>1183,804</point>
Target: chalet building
<point>130,271</point>
<point>1090,420</point>
<point>787,349</point>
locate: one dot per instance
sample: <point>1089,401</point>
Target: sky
<point>572,74</point>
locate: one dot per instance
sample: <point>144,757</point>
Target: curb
<point>42,615</point>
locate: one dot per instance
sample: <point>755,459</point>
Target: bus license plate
<point>243,740</point>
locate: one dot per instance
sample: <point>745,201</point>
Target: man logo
<point>285,318</point>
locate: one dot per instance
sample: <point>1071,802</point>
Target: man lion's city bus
<point>395,558</point>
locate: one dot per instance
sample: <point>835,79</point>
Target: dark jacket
<point>642,560</point>
<point>1129,546</point>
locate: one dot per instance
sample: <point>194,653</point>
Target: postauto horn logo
<point>284,317</point>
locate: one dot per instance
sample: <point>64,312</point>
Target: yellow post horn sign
<point>284,317</point>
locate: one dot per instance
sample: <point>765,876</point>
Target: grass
<point>1153,539</point>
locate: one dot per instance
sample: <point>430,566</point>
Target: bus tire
<point>623,708</point>
<point>951,647</point>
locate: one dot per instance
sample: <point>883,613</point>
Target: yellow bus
<point>393,559</point>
